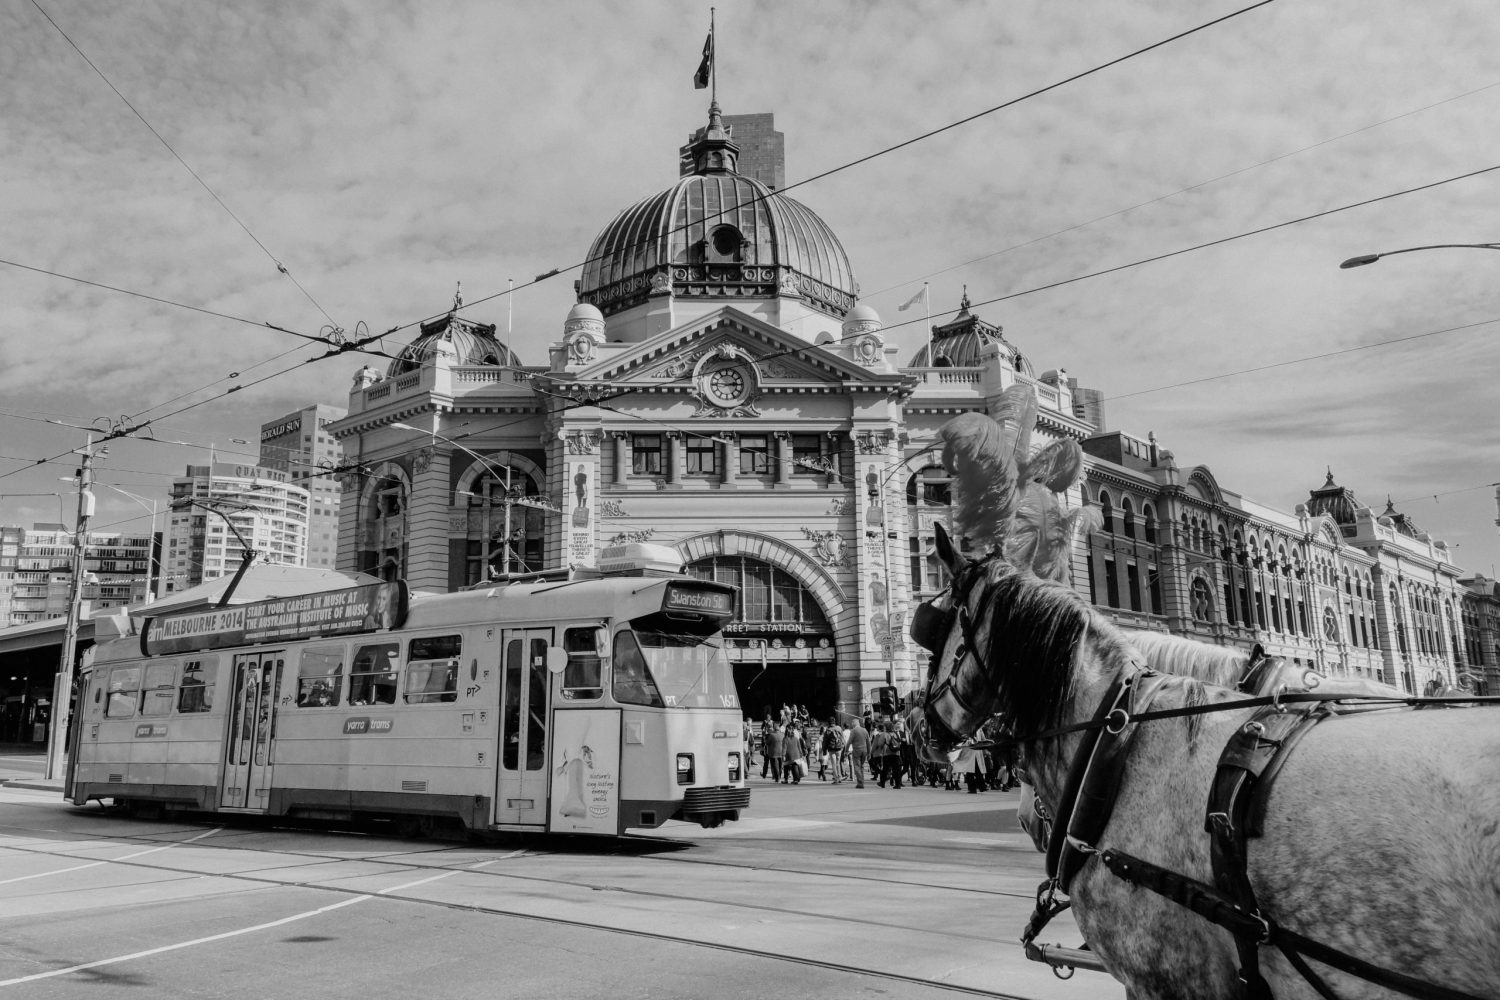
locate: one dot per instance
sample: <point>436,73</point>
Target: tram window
<point>632,681</point>
<point>432,668</point>
<point>160,688</point>
<point>124,684</point>
<point>372,676</point>
<point>586,648</point>
<point>320,676</point>
<point>196,694</point>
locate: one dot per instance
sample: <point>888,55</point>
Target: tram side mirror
<point>557,659</point>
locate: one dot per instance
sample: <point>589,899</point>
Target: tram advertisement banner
<point>334,612</point>
<point>586,771</point>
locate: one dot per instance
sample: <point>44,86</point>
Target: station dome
<point>716,234</point>
<point>961,343</point>
<point>470,344</point>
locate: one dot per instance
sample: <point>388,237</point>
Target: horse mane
<point>1042,624</point>
<point>1172,654</point>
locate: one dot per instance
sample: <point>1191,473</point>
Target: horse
<point>1218,665</point>
<point>1380,838</point>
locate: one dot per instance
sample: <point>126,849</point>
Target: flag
<point>919,297</point>
<point>706,67</point>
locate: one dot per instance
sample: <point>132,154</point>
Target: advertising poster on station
<point>586,772</point>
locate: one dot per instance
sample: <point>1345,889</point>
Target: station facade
<point>719,388</point>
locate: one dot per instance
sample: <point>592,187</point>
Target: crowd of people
<point>792,745</point>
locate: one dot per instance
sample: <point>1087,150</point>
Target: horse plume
<point>1006,499</point>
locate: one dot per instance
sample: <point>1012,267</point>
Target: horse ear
<point>945,550</point>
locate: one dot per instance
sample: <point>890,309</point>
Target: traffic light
<point>886,700</point>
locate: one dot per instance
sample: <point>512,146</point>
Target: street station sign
<point>335,612</point>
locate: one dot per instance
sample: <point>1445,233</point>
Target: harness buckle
<point>1109,724</point>
<point>1080,846</point>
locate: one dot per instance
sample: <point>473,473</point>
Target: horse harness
<point>1236,811</point>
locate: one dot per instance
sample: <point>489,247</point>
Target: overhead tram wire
<point>202,183</point>
<point>860,160</point>
<point>1191,187</point>
<point>1213,243</point>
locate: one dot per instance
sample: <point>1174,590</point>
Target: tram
<point>589,702</point>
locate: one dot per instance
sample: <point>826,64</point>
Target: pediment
<point>780,360</point>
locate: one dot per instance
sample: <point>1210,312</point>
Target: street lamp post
<point>153,561</point>
<point>510,498</point>
<point>1370,258</point>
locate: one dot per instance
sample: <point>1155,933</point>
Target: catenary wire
<point>1191,187</point>
<point>867,157</point>
<point>201,182</point>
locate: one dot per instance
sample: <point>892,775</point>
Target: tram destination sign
<point>698,597</point>
<point>283,619</point>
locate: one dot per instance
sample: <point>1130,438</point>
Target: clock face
<point>726,384</point>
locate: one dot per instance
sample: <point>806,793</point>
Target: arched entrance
<point>782,645</point>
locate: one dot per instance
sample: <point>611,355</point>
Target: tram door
<point>521,792</point>
<point>252,728</point>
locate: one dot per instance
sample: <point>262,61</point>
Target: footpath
<point>22,766</point>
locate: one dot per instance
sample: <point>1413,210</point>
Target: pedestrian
<point>859,750</point>
<point>747,738</point>
<point>794,756</point>
<point>832,745</point>
<point>845,770</point>
<point>770,749</point>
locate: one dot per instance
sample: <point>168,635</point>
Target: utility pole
<point>62,688</point>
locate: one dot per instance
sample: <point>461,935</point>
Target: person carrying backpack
<point>831,744</point>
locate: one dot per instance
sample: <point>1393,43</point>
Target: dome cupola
<point>716,235</point>
<point>961,343</point>
<point>466,343</point>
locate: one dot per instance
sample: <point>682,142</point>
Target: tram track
<point>429,861</point>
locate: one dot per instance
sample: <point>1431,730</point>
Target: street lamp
<point>1370,258</point>
<point>153,562</point>
<point>510,499</point>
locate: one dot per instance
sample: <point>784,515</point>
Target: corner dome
<point>961,343</point>
<point>469,343</point>
<point>716,234</point>
<point>1338,502</point>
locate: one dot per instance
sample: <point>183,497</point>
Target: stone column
<point>622,457</point>
<point>729,454</point>
<point>783,459</point>
<point>427,520</point>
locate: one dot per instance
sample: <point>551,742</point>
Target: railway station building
<point>716,385</point>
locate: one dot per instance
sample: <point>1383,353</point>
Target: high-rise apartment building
<point>36,571</point>
<point>219,510</point>
<point>299,445</point>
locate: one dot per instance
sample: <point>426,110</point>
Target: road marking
<point>183,944</point>
<point>420,881</point>
<point>111,861</point>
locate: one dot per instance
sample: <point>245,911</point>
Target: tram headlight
<point>734,766</point>
<point>685,769</point>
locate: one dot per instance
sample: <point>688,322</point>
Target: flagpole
<point>931,347</point>
<point>713,62</point>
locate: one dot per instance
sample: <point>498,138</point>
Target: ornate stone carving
<point>869,349</point>
<point>661,283</point>
<point>582,442</point>
<point>625,537</point>
<point>829,546</point>
<point>678,366</point>
<point>839,507</point>
<point>872,442</point>
<point>422,461</point>
<point>611,508</point>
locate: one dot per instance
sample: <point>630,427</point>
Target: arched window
<point>767,593</point>
<point>1127,517</point>
<point>1107,511</point>
<point>1149,516</point>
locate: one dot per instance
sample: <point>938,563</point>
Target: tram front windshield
<point>672,670</point>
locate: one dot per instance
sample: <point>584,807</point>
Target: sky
<point>383,152</point>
